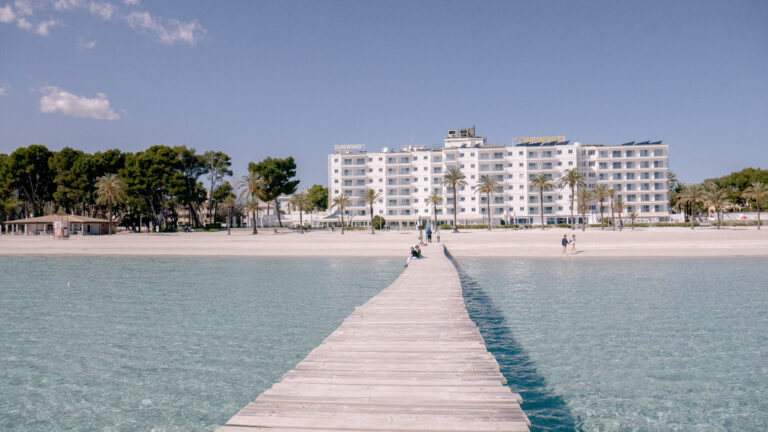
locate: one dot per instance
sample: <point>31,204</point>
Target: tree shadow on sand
<point>546,410</point>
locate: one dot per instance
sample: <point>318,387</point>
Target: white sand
<point>646,242</point>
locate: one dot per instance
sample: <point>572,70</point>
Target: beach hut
<point>60,225</point>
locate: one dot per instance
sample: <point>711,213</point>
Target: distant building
<point>638,171</point>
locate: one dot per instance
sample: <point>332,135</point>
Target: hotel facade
<point>637,171</point>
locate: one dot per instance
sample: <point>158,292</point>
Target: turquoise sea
<point>162,344</point>
<point>181,344</point>
<point>628,345</point>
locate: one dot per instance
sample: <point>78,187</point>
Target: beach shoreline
<point>500,243</point>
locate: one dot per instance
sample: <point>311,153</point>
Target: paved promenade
<point>409,359</point>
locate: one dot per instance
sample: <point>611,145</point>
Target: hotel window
<point>531,154</point>
<point>643,152</point>
<point>617,176</point>
<point>592,175</point>
<point>335,171</point>
<point>559,163</point>
<point>630,165</point>
<point>426,157</point>
<point>520,153</point>
<point>603,154</point>
<point>645,164</point>
<point>658,164</point>
<point>601,177</point>
<point>658,152</point>
<point>616,165</point>
<point>630,187</point>
<point>472,166</point>
<point>629,153</point>
<point>570,151</point>
<point>461,154</point>
<point>631,198</point>
<point>381,159</point>
<point>646,209</point>
<point>336,181</point>
<point>617,187</point>
<point>591,152</point>
<point>630,176</point>
<point>616,153</point>
<point>658,197</point>
<point>570,163</point>
<point>603,165</point>
<point>591,163</point>
<point>381,169</point>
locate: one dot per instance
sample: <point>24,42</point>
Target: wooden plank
<point>409,359</point>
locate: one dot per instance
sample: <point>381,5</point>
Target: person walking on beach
<point>565,243</point>
<point>573,243</point>
<point>437,234</point>
<point>429,234</point>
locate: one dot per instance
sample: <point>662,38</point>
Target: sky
<point>286,78</point>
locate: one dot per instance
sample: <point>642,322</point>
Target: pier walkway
<point>409,359</point>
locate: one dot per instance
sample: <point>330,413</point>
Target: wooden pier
<point>409,359</point>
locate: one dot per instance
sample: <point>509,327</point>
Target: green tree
<point>542,182</point>
<point>32,177</point>
<point>435,199</point>
<point>717,199</point>
<point>601,194</point>
<point>572,178</point>
<point>633,216</point>
<point>318,196</point>
<point>110,192</point>
<point>611,195</point>
<point>300,202</point>
<point>370,197</point>
<point>488,185</point>
<point>278,177</point>
<point>218,165</point>
<point>757,191</point>
<point>253,205</point>
<point>192,166</point>
<point>691,195</point>
<point>229,203</point>
<point>154,176</point>
<point>67,182</point>
<point>250,185</point>
<point>454,179</point>
<point>341,202</point>
<point>583,197</point>
<point>619,205</point>
<point>379,222</point>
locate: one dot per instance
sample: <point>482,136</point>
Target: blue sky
<point>279,78</point>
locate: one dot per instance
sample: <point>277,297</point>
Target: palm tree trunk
<point>455,209</point>
<point>613,218</point>
<point>573,222</point>
<point>602,222</point>
<point>583,220</point>
<point>372,232</point>
<point>342,220</point>
<point>434,212</point>
<point>301,220</point>
<point>110,221</point>
<point>277,210</point>
<point>758,215</point>
<point>692,217</point>
<point>541,206</point>
<point>229,221</point>
<point>489,210</point>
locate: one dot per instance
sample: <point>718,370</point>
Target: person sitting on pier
<point>418,252</point>
<point>411,256</point>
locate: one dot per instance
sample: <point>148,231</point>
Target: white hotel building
<point>636,170</point>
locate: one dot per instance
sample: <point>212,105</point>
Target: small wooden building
<point>60,225</point>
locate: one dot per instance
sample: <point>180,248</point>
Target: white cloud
<point>131,2</point>
<point>104,10</point>
<point>68,4</point>
<point>56,100</point>
<point>6,14</point>
<point>24,7</point>
<point>86,45</point>
<point>23,23</point>
<point>42,27</point>
<point>4,90</point>
<point>172,32</point>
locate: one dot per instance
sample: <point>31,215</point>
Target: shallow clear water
<point>614,344</point>
<point>162,344</point>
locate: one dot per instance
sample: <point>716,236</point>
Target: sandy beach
<point>646,242</point>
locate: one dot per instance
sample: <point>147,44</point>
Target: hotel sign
<point>347,147</point>
<point>539,139</point>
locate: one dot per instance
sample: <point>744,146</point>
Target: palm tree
<point>369,197</point>
<point>488,185</point>
<point>542,182</point>
<point>454,178</point>
<point>584,196</point>
<point>672,181</point>
<point>435,199</point>
<point>757,191</point>
<point>341,202</point>
<point>601,193</point>
<point>632,217</point>
<point>691,194</point>
<point>301,202</point>
<point>611,194</point>
<point>572,178</point>
<point>229,203</point>
<point>110,191</point>
<point>250,185</point>
<point>253,205</point>
<point>619,205</point>
<point>717,199</point>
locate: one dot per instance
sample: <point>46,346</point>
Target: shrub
<point>379,222</point>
